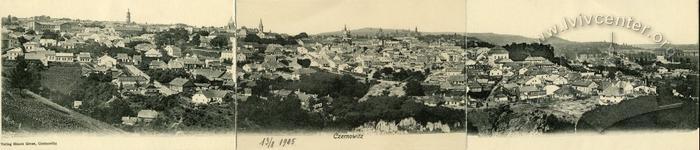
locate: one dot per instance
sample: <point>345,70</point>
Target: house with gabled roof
<point>176,64</point>
<point>13,54</point>
<point>173,51</point>
<point>123,58</point>
<point>153,53</point>
<point>531,92</point>
<point>584,86</point>
<point>209,96</point>
<point>181,85</point>
<point>83,57</point>
<point>147,115</point>
<point>157,64</point>
<point>65,57</point>
<point>106,61</point>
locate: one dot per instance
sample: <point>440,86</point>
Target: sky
<point>676,20</point>
<point>317,16</point>
<point>198,13</point>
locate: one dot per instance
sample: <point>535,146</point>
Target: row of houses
<point>46,56</point>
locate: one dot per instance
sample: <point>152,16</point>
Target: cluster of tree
<point>175,113</point>
<point>414,88</point>
<point>166,75</point>
<point>133,44</point>
<point>320,83</point>
<point>94,94</point>
<point>347,85</point>
<point>643,58</point>
<point>196,38</point>
<point>173,36</point>
<point>400,75</point>
<point>344,113</point>
<point>473,44</point>
<point>220,41</point>
<point>687,86</point>
<point>100,77</point>
<point>25,75</point>
<point>204,117</point>
<point>48,34</point>
<point>520,51</point>
<point>304,62</point>
<point>684,63</point>
<point>111,112</point>
<point>274,113</point>
<point>300,36</point>
<point>277,40</point>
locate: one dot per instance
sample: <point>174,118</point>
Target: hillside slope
<point>27,112</point>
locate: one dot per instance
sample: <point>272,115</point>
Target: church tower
<point>346,33</point>
<point>231,26</point>
<point>128,16</point>
<point>415,30</point>
<point>261,28</point>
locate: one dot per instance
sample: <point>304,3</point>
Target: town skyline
<point>304,15</point>
<point>142,12</point>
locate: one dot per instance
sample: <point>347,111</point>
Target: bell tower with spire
<point>346,33</point>
<point>611,48</point>
<point>261,28</point>
<point>128,16</point>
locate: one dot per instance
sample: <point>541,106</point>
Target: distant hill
<point>561,46</point>
<point>370,31</point>
<point>679,46</point>
<point>502,39</point>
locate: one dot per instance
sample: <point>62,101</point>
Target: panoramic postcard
<point>349,74</point>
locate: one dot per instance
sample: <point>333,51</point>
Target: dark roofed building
<point>181,85</point>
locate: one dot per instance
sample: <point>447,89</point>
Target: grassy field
<point>62,79</point>
<point>29,112</point>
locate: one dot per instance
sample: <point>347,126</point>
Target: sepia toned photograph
<point>349,74</point>
<point>541,67</point>
<point>117,67</point>
<point>356,67</point>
